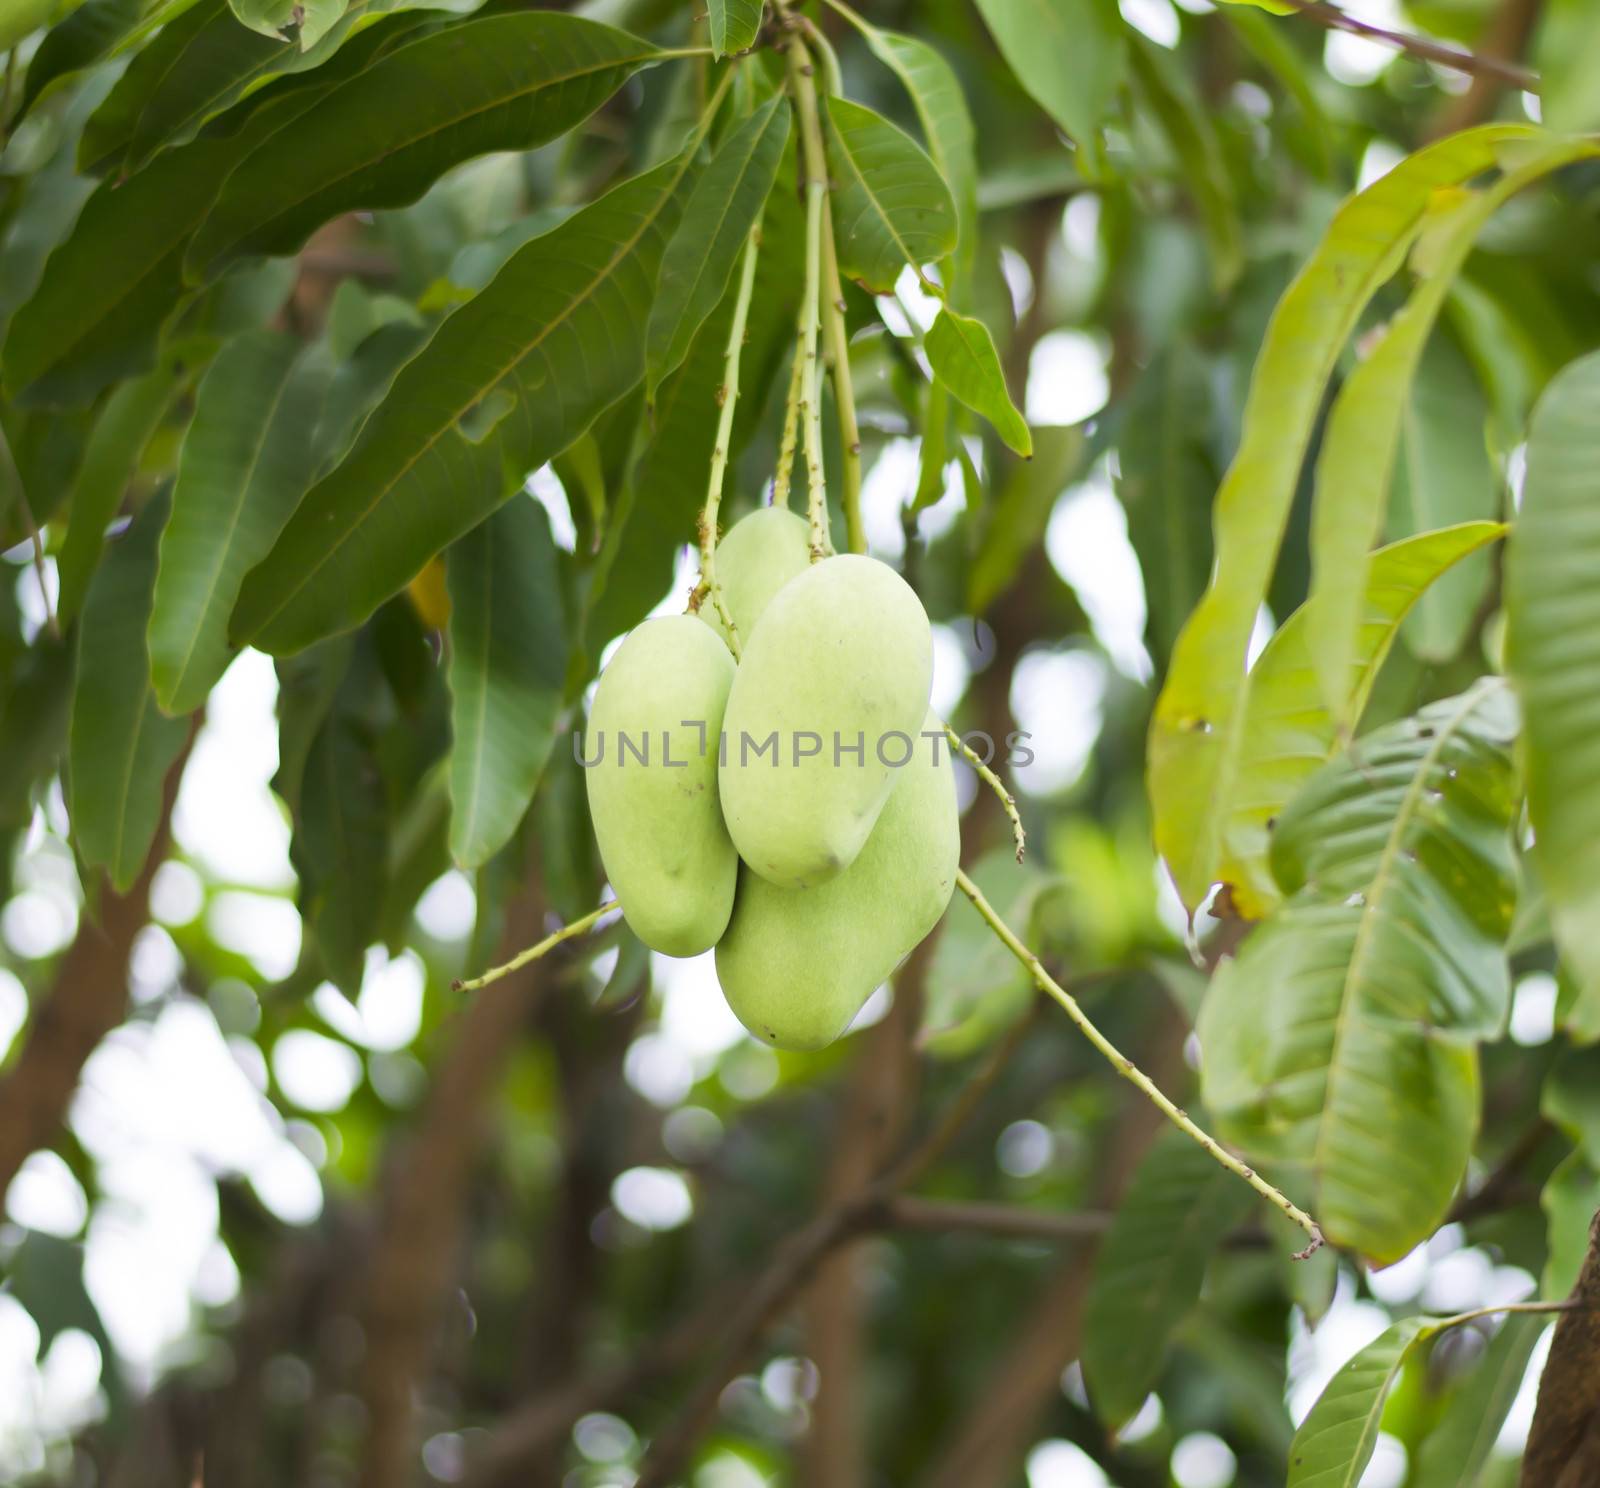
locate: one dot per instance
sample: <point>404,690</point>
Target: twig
<point>534,952</point>
<point>814,168</point>
<point>1132,1073</point>
<point>1008,802</point>
<point>727,399</point>
<point>1331,18</point>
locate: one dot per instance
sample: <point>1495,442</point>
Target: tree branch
<point>87,1001</point>
<point>1564,1445</point>
<point>1331,18</point>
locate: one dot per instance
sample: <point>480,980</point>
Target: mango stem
<point>727,400</point>
<point>1132,1073</point>
<point>534,952</point>
<point>1008,802</point>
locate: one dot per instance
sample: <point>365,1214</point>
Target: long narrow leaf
<point>1553,606</point>
<point>1195,735</point>
<point>508,381</point>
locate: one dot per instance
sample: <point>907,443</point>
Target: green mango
<point>657,819</point>
<point>842,657</point>
<point>796,964</point>
<point>757,556</point>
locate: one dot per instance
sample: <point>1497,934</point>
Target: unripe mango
<point>841,662</point>
<point>650,753</point>
<point>757,556</point>
<point>797,964</point>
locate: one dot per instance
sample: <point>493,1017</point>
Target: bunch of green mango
<point>796,809</point>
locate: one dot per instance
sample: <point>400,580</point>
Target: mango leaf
<point>1069,55</point>
<point>1455,1452</point>
<point>79,40</point>
<point>941,110</point>
<point>1358,452</point>
<point>1335,1441</point>
<point>509,380</point>
<point>34,709</point>
<point>1021,512</point>
<point>508,656</point>
<point>891,207</point>
<point>505,82</point>
<point>120,433</point>
<point>1339,1043</point>
<point>120,745</point>
<point>1445,477</point>
<point>1553,654</point>
<point>203,62</point>
<point>962,355</point>
<point>246,462</point>
<point>1288,730</point>
<point>1148,1272</point>
<point>733,24</point>
<point>1196,734</point>
<point>305,22</point>
<point>726,203</point>
<point>1567,51</point>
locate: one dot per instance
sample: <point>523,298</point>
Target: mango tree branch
<point>1131,1072</point>
<point>1331,18</point>
<point>727,401</point>
<point>1564,1442</point>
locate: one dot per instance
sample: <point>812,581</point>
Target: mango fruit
<point>797,964</point>
<point>830,694</point>
<point>650,757</point>
<point>757,556</point>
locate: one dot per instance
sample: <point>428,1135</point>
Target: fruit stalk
<point>1132,1073</point>
<point>727,399</point>
<point>791,429</point>
<point>534,952</point>
<point>814,167</point>
<point>1008,802</point>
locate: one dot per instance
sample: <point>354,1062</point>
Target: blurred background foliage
<point>313,1218</point>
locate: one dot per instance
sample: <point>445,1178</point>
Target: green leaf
<point>1148,1272</point>
<point>130,416</point>
<point>509,380</point>
<point>508,655</point>
<point>1358,452</point>
<point>1069,55</point>
<point>1445,477</point>
<point>203,61</point>
<point>120,744</point>
<point>1567,51</point>
<point>962,355</point>
<point>1196,735</point>
<point>726,203</point>
<point>1553,654</point>
<point>1455,1452</point>
<point>1288,730</point>
<point>78,41</point>
<point>1339,1043</point>
<point>505,82</point>
<point>1335,1441</point>
<point>734,24</point>
<point>1021,513</point>
<point>246,462</point>
<point>303,21</point>
<point>941,110</point>
<point>891,207</point>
